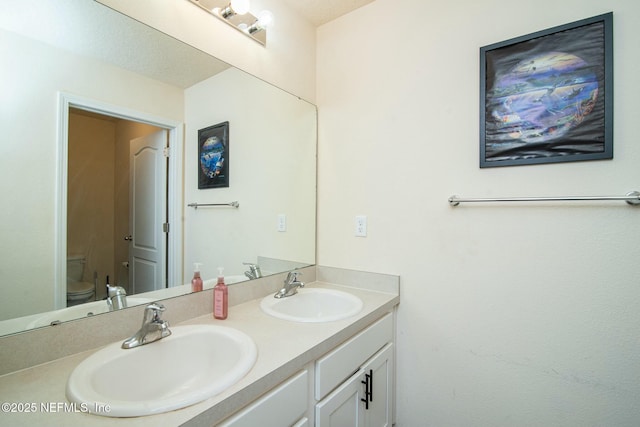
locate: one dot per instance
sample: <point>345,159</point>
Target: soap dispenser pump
<point>196,282</point>
<point>220,297</point>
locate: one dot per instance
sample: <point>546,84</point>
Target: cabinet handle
<point>366,398</point>
<point>368,389</point>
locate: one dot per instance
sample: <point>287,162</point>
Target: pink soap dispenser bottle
<point>196,282</point>
<point>220,298</point>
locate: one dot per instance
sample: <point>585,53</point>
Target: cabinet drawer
<point>339,364</point>
<point>283,406</point>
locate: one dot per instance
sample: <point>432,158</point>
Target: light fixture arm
<point>227,12</point>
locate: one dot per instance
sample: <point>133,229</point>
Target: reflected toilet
<point>78,292</point>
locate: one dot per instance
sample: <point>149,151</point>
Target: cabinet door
<point>380,370</point>
<point>341,408</point>
<point>365,399</point>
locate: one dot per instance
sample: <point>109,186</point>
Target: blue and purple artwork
<point>213,156</point>
<point>544,97</point>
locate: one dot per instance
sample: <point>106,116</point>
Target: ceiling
<point>320,12</point>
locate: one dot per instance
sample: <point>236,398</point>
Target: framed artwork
<point>213,156</point>
<point>548,96</point>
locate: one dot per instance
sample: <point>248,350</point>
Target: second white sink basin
<point>313,305</point>
<point>192,364</point>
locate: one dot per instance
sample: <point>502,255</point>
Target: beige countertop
<point>37,394</point>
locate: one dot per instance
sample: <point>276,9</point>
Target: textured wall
<point>509,315</point>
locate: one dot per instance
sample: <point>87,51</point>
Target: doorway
<point>109,196</point>
<point>114,194</point>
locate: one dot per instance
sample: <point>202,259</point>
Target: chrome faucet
<point>153,327</point>
<point>253,272</point>
<point>291,285</point>
<point>116,297</point>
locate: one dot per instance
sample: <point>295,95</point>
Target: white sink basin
<point>192,364</point>
<point>79,311</point>
<point>313,305</point>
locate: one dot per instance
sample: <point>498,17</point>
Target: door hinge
<point>166,151</point>
<point>165,227</point>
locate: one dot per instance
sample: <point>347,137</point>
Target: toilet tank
<point>75,268</point>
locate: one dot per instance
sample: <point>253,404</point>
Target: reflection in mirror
<point>104,153</point>
<point>87,50</point>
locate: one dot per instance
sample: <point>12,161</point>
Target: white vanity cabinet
<point>286,405</point>
<point>365,398</point>
<point>351,386</point>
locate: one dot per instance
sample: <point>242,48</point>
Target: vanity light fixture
<point>237,14</point>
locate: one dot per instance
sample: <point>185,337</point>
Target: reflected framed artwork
<point>547,97</point>
<point>213,156</point>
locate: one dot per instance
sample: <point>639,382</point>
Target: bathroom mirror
<point>81,50</point>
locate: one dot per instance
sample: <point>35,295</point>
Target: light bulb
<point>265,18</point>
<point>240,6</point>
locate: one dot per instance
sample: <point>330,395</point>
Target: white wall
<point>272,166</point>
<point>509,315</point>
<point>287,61</point>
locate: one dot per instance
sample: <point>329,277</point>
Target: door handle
<point>128,238</point>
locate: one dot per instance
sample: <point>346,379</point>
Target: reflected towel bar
<point>632,198</point>
<point>199,205</point>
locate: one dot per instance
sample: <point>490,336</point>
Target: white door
<point>147,212</point>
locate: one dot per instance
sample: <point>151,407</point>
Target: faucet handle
<point>116,297</point>
<point>114,291</point>
<point>153,312</point>
<point>254,270</point>
<point>293,276</point>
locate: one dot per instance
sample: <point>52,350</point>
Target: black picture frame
<point>213,156</point>
<point>547,97</point>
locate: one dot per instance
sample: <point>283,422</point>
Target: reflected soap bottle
<point>220,297</point>
<point>196,282</point>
